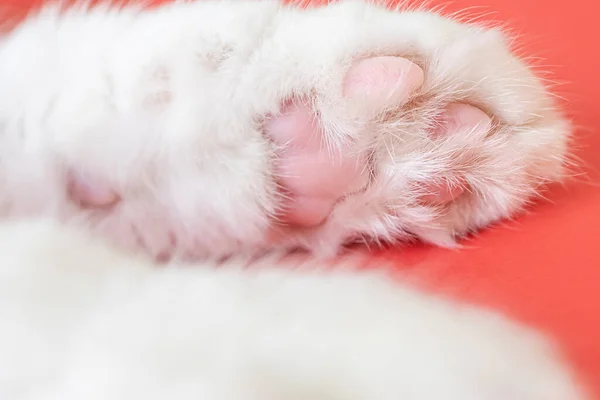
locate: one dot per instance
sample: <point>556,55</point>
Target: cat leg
<point>81,320</point>
<point>169,137</point>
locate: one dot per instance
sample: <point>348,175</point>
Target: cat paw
<point>315,175</point>
<point>429,146</point>
<point>349,123</point>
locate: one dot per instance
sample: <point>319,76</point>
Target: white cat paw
<point>431,142</point>
<point>348,123</point>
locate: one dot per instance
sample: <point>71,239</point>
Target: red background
<point>543,268</point>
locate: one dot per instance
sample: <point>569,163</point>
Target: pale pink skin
<point>313,176</point>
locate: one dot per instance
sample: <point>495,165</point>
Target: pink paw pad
<point>383,81</point>
<point>457,117</point>
<point>88,193</point>
<point>312,175</point>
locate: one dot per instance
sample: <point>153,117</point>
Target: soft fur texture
<point>167,107</point>
<point>81,321</point>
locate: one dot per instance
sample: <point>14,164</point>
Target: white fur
<point>165,105</point>
<point>81,321</point>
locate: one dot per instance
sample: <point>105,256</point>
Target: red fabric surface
<point>544,267</point>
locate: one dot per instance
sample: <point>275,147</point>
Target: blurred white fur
<point>166,105</point>
<point>81,321</point>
